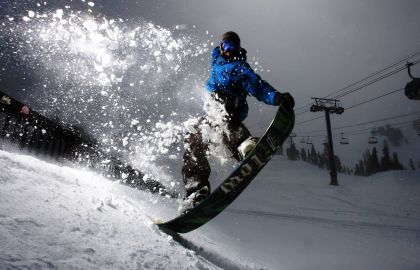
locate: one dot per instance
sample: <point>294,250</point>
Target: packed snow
<point>54,216</point>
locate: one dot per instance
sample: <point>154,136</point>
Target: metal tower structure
<point>329,106</point>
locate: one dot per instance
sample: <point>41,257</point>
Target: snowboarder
<point>231,81</point>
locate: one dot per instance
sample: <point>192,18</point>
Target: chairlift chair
<point>302,140</point>
<point>372,140</point>
<point>412,89</point>
<point>344,140</point>
<point>308,140</point>
<point>325,140</point>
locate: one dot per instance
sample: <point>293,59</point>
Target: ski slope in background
<point>57,217</point>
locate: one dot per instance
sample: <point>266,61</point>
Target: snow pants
<point>196,168</point>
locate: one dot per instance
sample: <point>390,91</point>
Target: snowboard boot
<point>199,196</point>
<point>193,200</point>
<point>197,189</point>
<point>246,146</point>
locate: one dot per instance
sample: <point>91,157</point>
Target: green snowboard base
<point>238,180</point>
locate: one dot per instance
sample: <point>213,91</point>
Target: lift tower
<point>329,106</point>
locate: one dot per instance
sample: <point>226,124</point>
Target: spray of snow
<point>161,147</point>
<point>135,86</point>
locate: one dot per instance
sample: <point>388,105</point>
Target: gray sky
<point>311,47</point>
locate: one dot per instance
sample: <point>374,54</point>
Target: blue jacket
<point>235,80</point>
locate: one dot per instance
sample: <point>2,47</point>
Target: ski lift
<point>308,140</point>
<point>302,140</point>
<point>372,140</point>
<point>325,141</point>
<point>292,135</point>
<point>344,140</point>
<point>412,89</point>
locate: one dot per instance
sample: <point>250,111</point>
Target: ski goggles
<point>230,46</point>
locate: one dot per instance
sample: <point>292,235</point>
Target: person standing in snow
<point>231,81</point>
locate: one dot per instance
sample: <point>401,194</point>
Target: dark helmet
<point>231,41</point>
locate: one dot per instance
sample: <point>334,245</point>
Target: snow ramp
<point>57,217</point>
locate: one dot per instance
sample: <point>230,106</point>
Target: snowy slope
<point>294,220</point>
<point>56,217</point>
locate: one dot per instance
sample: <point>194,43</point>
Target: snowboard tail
<point>239,179</point>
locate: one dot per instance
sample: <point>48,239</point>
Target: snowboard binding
<point>246,147</point>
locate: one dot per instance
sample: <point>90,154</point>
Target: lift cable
<point>356,105</point>
<point>365,85</point>
<point>361,131</point>
<point>402,60</point>
<point>372,99</point>
<point>368,122</point>
<point>379,72</point>
<point>374,81</point>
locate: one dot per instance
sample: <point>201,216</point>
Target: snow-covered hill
<point>57,217</point>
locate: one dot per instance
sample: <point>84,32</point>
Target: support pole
<point>329,106</point>
<point>333,170</point>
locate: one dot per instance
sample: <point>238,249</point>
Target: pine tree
<point>366,157</point>
<point>338,165</point>
<point>386,163</point>
<point>322,161</point>
<point>359,168</point>
<point>362,168</point>
<point>303,154</point>
<point>313,157</point>
<point>356,169</point>
<point>396,163</point>
<point>280,151</point>
<point>373,162</point>
<point>411,164</point>
<point>292,153</point>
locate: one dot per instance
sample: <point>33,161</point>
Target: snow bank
<point>54,216</point>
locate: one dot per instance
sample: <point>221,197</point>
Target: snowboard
<point>238,180</point>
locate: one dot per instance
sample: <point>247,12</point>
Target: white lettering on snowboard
<point>254,163</point>
<point>270,142</point>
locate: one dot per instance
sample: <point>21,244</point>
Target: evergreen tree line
<point>316,158</point>
<point>370,163</point>
<point>394,135</point>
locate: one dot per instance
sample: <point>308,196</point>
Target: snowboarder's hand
<point>286,100</point>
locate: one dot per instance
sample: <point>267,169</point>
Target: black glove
<point>286,100</point>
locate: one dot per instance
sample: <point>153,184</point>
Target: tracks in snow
<point>322,220</point>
